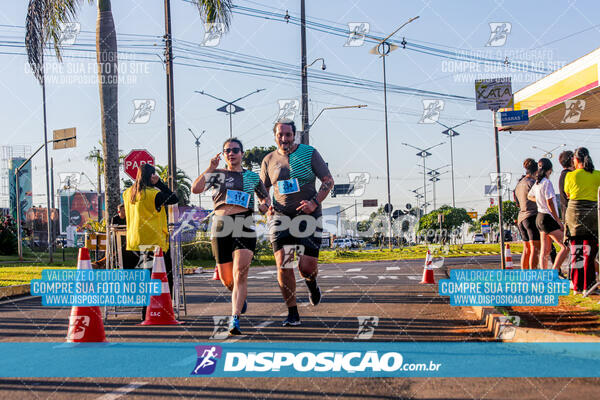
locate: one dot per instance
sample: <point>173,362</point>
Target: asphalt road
<point>390,291</point>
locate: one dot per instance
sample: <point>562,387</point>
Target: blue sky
<point>350,140</point>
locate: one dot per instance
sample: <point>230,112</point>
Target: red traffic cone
<point>85,323</point>
<point>160,311</point>
<point>428,270</point>
<point>216,276</point>
<point>508,257</point>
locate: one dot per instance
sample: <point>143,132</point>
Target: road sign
<point>472,214</point>
<point>388,208</point>
<point>64,134</point>
<point>370,203</point>
<point>135,159</point>
<point>342,189</point>
<point>509,118</point>
<point>493,94</point>
<point>485,227</point>
<point>491,190</point>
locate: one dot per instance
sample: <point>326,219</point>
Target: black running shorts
<point>528,229</point>
<point>546,223</point>
<point>225,238</point>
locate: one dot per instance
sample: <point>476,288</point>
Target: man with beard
<point>295,215</point>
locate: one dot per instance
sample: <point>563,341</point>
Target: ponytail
<point>588,165</point>
<point>583,156</point>
<point>544,165</point>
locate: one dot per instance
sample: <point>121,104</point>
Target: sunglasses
<point>234,150</point>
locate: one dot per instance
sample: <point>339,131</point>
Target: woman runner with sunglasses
<point>233,237</point>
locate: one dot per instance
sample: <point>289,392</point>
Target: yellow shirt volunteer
<point>145,225</point>
<point>582,185</point>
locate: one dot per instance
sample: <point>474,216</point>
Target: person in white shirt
<point>547,221</point>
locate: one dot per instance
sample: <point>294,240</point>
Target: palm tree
<point>43,23</point>
<point>183,183</point>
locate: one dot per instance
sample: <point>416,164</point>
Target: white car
<point>342,243</point>
<point>478,238</point>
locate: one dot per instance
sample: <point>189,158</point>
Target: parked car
<point>342,243</point>
<point>478,238</point>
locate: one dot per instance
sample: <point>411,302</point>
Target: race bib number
<point>288,186</point>
<point>238,198</point>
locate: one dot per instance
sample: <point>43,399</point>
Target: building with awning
<point>568,98</point>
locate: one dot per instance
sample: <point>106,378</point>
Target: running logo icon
<point>77,326</point>
<point>212,34</point>
<point>573,111</point>
<point>287,109</point>
<point>207,359</point>
<point>498,33</point>
<point>289,261</point>
<point>359,180</point>
<point>68,33</point>
<point>431,111</point>
<point>142,110</point>
<point>366,327</point>
<point>357,32</point>
<point>221,328</point>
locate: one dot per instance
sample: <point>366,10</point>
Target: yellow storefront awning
<point>568,98</point>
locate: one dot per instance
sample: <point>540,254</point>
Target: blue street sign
<point>520,117</point>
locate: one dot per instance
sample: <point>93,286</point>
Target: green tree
<point>453,219</point>
<point>253,157</point>
<point>183,182</point>
<point>510,212</point>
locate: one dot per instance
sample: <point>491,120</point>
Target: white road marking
<point>122,391</point>
<point>354,270</point>
<point>263,324</point>
<point>18,299</point>
<point>331,276</point>
<point>387,277</point>
<point>266,272</point>
<point>414,277</point>
<point>358,277</point>
<point>392,268</point>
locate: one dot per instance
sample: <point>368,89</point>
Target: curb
<point>503,330</point>
<point>16,290</point>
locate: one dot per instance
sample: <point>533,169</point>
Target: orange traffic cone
<point>216,276</point>
<point>508,258</point>
<point>160,310</point>
<point>428,270</point>
<point>85,323</point>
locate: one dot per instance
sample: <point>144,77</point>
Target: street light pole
<point>383,48</point>
<point>230,107</point>
<point>450,132</point>
<point>423,153</point>
<point>197,142</point>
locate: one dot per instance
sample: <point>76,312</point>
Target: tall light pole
<point>434,173</point>
<point>423,153</point>
<point>230,107</point>
<point>304,134</point>
<point>198,158</point>
<point>383,48</point>
<point>450,132</point>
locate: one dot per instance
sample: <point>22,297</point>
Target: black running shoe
<point>292,320</point>
<point>315,295</point>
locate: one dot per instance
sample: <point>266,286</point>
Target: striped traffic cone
<point>160,310</point>
<point>85,323</point>
<point>216,276</point>
<point>428,270</point>
<point>508,258</point>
